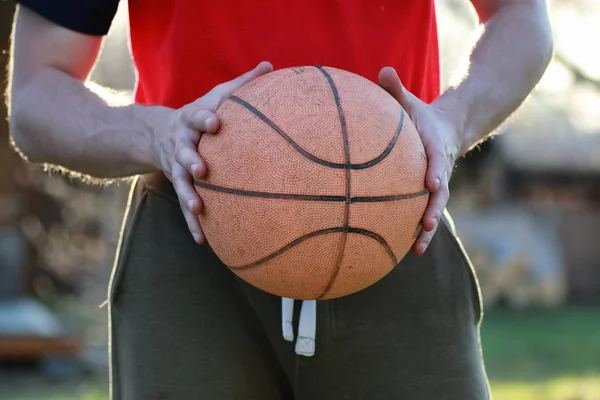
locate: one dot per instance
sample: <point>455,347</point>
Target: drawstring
<point>307,328</point>
<point>287,314</point>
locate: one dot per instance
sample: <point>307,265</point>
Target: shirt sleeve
<point>92,17</point>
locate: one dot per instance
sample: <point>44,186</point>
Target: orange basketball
<point>316,183</point>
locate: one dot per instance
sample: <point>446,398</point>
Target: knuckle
<point>179,179</point>
<point>195,116</point>
<point>179,141</point>
<point>172,162</point>
<point>181,147</point>
<point>201,102</point>
<point>167,164</point>
<point>425,240</point>
<point>429,235</point>
<point>193,138</point>
<point>433,211</point>
<point>187,113</point>
<point>183,200</point>
<point>177,155</point>
<point>182,189</point>
<point>201,115</point>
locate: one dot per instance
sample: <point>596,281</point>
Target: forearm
<point>56,120</point>
<point>506,63</point>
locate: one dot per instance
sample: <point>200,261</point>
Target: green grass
<point>93,395</point>
<point>543,355</point>
<point>566,388</point>
<point>540,345</point>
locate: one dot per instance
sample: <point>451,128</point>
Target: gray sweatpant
<point>184,327</point>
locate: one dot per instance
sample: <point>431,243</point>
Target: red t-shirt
<point>184,48</point>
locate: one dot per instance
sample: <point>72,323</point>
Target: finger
<point>182,183</point>
<point>186,155</point>
<point>435,207</point>
<point>389,80</point>
<point>201,120</point>
<point>193,225</point>
<point>431,220</point>
<point>436,165</point>
<point>423,241</point>
<point>224,90</point>
<point>189,200</point>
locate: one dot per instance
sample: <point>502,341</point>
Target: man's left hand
<point>440,138</point>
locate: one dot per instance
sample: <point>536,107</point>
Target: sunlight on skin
<point>575,27</point>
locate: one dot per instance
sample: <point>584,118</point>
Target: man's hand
<point>442,147</point>
<point>176,144</point>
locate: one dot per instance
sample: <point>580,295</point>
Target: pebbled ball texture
<point>316,183</point>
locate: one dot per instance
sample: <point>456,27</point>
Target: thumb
<point>389,80</point>
<point>221,92</point>
<point>228,88</point>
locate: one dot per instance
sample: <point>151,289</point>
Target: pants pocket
<point>135,202</point>
<point>447,229</point>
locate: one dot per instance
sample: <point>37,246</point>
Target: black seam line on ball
<point>308,197</point>
<point>339,229</point>
<point>391,197</point>
<point>379,239</point>
<point>344,128</point>
<point>312,157</point>
<point>387,150</point>
<point>267,195</point>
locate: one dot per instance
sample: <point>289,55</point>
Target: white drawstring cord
<point>287,315</point>
<point>307,328</point>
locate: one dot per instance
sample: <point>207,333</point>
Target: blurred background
<point>526,205</point>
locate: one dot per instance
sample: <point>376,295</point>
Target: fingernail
<point>423,247</point>
<point>190,205</point>
<point>196,236</point>
<point>194,169</point>
<point>437,183</point>
<point>208,123</point>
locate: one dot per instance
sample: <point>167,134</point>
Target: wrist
<point>152,122</point>
<point>455,110</point>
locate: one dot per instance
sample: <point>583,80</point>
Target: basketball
<point>316,183</point>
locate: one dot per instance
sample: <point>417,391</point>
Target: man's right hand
<point>57,120</point>
<point>176,144</point>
